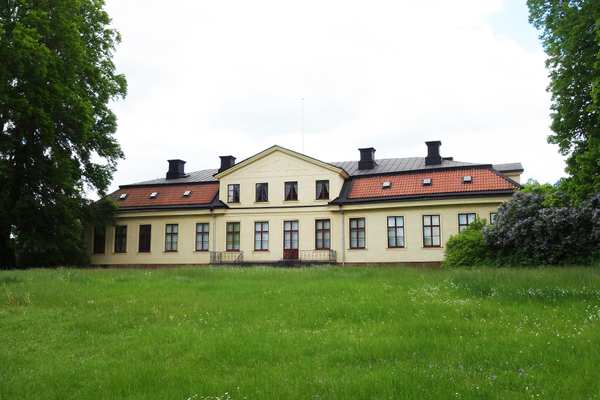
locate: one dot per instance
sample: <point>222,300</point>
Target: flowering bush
<point>528,232</point>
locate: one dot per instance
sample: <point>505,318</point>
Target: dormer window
<point>187,193</point>
<point>386,185</point>
<point>467,179</point>
<point>427,182</point>
<point>153,195</point>
<point>122,196</point>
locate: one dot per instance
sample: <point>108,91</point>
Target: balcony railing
<point>318,256</point>
<point>226,257</point>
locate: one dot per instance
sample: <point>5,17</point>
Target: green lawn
<point>317,333</point>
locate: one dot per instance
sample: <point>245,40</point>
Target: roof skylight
<point>427,182</point>
<point>122,196</point>
<point>153,195</point>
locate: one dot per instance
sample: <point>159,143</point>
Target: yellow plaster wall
<point>376,231</point>
<point>276,169</point>
<point>186,253</point>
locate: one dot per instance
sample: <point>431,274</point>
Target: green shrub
<point>468,248</point>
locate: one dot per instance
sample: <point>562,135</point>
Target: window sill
<point>201,251</point>
<point>170,251</point>
<point>432,247</point>
<point>357,248</point>
<point>396,248</point>
<point>144,252</point>
<point>261,251</point>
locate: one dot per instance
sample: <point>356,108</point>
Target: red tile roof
<point>447,181</point>
<point>168,195</point>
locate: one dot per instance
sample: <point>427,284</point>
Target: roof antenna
<point>302,100</point>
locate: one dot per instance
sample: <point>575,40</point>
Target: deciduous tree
<point>570,32</point>
<point>57,79</point>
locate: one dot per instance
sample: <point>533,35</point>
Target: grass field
<point>317,333</point>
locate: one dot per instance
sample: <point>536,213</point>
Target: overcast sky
<point>220,77</point>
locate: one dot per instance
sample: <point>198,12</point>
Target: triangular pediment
<point>274,150</point>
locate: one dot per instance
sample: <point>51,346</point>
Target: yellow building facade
<point>283,206</point>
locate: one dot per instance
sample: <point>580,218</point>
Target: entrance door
<point>290,240</point>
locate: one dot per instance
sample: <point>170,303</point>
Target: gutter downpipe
<point>343,238</point>
<point>214,235</point>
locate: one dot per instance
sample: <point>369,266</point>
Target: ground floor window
<point>144,239</point>
<point>465,219</point>
<point>431,231</point>
<point>120,238</point>
<point>261,236</point>
<point>171,237</point>
<point>493,217</point>
<point>202,237</point>
<point>322,234</point>
<point>357,233</point>
<point>395,231</point>
<point>232,236</point>
<point>99,239</point>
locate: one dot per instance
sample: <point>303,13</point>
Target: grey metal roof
<point>508,167</point>
<point>384,166</point>
<point>205,175</point>
<point>389,165</point>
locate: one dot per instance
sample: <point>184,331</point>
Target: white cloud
<point>208,78</point>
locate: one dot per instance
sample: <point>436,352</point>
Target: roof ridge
<point>384,166</point>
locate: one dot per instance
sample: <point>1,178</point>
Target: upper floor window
<point>322,234</point>
<point>322,190</point>
<point>395,227</point>
<point>171,237</point>
<point>144,238</point>
<point>202,237</point>
<point>262,192</point>
<point>232,239</point>
<point>261,236</point>
<point>357,233</point>
<point>233,193</point>
<point>431,231</point>
<point>464,220</point>
<point>120,238</point>
<point>99,239</point>
<point>493,217</point>
<point>291,191</point>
